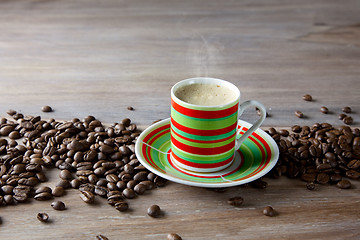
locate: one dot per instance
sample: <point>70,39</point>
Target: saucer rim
<point>269,139</point>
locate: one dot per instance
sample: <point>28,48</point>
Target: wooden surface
<point>98,57</point>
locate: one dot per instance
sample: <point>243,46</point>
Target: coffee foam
<point>205,94</point>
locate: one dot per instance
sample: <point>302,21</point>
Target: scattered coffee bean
<point>344,184</point>
<point>236,201</point>
<point>342,116</point>
<point>307,97</point>
<point>129,193</point>
<point>43,196</point>
<point>269,211</point>
<point>348,120</point>
<point>173,236</point>
<point>43,217</point>
<point>101,237</point>
<point>299,114</point>
<point>310,186</point>
<point>65,174</point>
<point>346,109</point>
<point>121,206</point>
<point>58,191</point>
<point>43,189</point>
<point>46,109</point>
<point>58,205</point>
<point>154,211</point>
<point>324,110</point>
<point>11,112</point>
<point>87,196</point>
<point>130,108</point>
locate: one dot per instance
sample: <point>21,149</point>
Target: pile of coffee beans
<point>318,154</point>
<point>93,158</point>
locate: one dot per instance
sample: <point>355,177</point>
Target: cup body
<point>203,137</point>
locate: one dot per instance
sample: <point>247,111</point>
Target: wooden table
<point>99,57</point>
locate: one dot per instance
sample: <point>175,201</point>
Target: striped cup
<point>204,138</point>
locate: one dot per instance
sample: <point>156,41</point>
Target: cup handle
<point>255,126</point>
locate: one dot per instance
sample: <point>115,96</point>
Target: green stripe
<point>202,138</point>
<point>204,145</point>
<point>202,158</point>
<point>195,123</point>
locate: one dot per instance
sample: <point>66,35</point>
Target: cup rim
<point>205,80</point>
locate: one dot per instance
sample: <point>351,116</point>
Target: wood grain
<point>98,57</point>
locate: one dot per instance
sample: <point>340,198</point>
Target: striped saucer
<point>257,155</point>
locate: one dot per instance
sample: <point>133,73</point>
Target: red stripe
<point>199,176</point>
<point>203,113</point>
<point>203,132</point>
<point>202,151</point>
<point>201,165</point>
<point>203,141</point>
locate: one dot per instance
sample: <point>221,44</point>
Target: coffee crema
<point>205,94</point>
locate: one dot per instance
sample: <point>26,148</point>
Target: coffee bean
<point>14,135</point>
<point>11,112</point>
<point>43,196</point>
<point>307,97</point>
<point>322,178</point>
<point>342,116</point>
<point>346,109</point>
<point>353,174</point>
<point>64,184</point>
<point>344,184</point>
<point>173,236</point>
<point>121,206</point>
<point>101,237</point>
<point>347,120</point>
<point>46,109</point>
<point>75,183</point>
<point>354,164</point>
<point>42,217</point>
<point>58,205</point>
<point>58,191</point>
<point>129,193</point>
<point>154,211</point>
<point>130,108</point>
<point>299,114</point>
<point>259,183</point>
<point>159,181</point>
<point>269,211</point>
<point>87,196</point>
<point>236,201</point>
<point>324,110</point>
<point>65,174</point>
<point>140,188</point>
<point>310,186</point>
<point>100,190</point>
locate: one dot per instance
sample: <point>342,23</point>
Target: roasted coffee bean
<point>299,114</point>
<point>310,186</point>
<point>259,183</point>
<point>344,184</point>
<point>14,135</point>
<point>346,109</point>
<point>87,196</point>
<point>87,187</point>
<point>121,206</point>
<point>236,201</point>
<point>159,181</point>
<point>46,109</point>
<point>284,132</point>
<point>11,112</point>
<point>141,176</point>
<point>140,188</point>
<point>335,177</point>
<point>342,116</point>
<point>354,164</point>
<point>324,110</point>
<point>296,128</point>
<point>65,174</point>
<point>307,97</point>
<point>121,185</point>
<point>43,196</point>
<point>101,237</point>
<point>75,183</point>
<point>42,217</point>
<point>129,193</point>
<point>154,211</point>
<point>347,120</point>
<point>100,190</point>
<point>322,178</point>
<point>353,174</point>
<point>272,131</point>
<point>131,184</point>
<point>112,178</point>
<point>269,211</point>
<point>173,236</point>
<point>308,177</point>
<point>58,205</point>
<point>58,191</point>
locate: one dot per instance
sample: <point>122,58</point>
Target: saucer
<point>256,156</point>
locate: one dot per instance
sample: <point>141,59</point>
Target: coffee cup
<point>204,123</point>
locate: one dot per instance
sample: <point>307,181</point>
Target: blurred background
<point>99,57</point>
